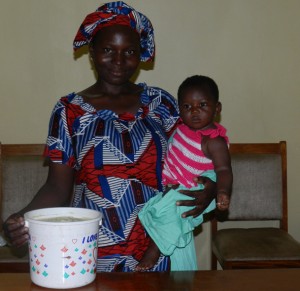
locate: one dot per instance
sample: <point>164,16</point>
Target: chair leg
<point>214,262</point>
<point>227,266</point>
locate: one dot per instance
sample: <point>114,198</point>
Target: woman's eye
<point>107,50</point>
<point>130,52</point>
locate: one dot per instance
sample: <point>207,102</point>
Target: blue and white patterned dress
<point>118,162</point>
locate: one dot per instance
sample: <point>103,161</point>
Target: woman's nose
<point>118,58</point>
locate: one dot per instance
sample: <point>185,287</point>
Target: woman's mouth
<point>117,73</point>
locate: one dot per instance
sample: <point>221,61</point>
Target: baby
<point>199,147</point>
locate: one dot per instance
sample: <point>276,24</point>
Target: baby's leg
<point>150,257</point>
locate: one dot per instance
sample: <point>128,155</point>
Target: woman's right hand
<point>56,192</point>
<point>15,231</point>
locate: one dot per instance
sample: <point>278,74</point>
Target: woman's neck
<point>120,99</point>
<point>103,88</point>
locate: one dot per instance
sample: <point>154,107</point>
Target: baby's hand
<point>223,201</point>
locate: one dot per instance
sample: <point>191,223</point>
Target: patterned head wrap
<point>117,13</point>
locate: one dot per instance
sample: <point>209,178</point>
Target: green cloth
<point>173,234</point>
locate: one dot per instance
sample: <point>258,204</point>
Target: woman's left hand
<point>202,198</point>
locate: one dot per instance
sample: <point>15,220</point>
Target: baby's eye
<point>186,106</point>
<point>203,104</point>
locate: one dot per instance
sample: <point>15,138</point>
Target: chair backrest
<point>259,182</point>
<point>22,172</point>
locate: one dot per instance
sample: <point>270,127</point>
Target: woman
<point>110,139</point>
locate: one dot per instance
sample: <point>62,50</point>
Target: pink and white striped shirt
<point>185,159</point>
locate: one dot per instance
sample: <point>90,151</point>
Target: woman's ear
<point>91,51</point>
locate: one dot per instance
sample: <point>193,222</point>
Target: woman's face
<point>198,108</point>
<point>116,54</point>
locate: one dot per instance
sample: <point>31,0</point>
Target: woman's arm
<point>202,198</point>
<point>57,191</point>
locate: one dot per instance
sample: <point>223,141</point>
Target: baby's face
<point>198,108</point>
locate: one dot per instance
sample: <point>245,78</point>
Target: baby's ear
<point>218,108</point>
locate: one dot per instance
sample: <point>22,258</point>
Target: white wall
<point>250,47</point>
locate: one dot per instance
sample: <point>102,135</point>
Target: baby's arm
<point>217,150</point>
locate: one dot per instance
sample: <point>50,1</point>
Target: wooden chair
<point>22,172</point>
<point>259,203</point>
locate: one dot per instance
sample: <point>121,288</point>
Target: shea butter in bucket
<point>63,246</point>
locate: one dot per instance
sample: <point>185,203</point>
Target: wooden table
<point>231,280</point>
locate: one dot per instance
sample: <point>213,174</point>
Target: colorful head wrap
<point>117,13</point>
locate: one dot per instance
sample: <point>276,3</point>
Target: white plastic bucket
<point>63,254</point>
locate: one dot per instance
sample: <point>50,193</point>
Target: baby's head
<point>198,99</point>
